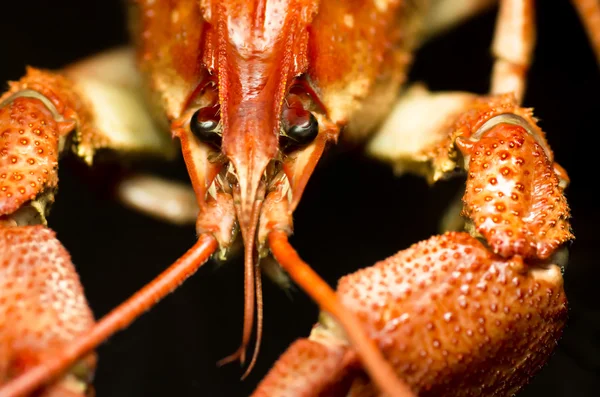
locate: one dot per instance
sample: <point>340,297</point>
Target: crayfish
<point>253,93</point>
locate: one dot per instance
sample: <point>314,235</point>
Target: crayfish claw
<point>42,307</point>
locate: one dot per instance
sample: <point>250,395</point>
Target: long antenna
<point>118,319</point>
<point>373,361</point>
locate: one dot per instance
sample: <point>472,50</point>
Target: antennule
<point>252,291</point>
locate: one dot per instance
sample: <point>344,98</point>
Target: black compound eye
<point>306,132</point>
<point>299,125</point>
<point>205,125</point>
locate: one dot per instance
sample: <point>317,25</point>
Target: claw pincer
<point>29,139</point>
<point>446,313</point>
<point>513,195</point>
<point>42,304</point>
<point>462,314</point>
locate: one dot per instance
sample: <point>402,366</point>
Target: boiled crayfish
<point>254,91</point>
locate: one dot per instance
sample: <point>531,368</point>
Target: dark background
<point>353,213</point>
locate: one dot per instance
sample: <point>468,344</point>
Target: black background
<point>353,213</point>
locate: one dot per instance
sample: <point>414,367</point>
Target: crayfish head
<point>249,160</point>
<point>240,149</point>
<point>252,129</point>
<point>254,121</point>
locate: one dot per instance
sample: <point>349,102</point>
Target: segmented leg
<point>123,124</point>
<point>166,200</point>
<point>513,45</point>
<point>514,37</point>
<point>117,114</point>
<point>416,126</point>
<point>445,14</point>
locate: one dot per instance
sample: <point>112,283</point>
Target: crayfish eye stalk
<point>298,125</point>
<point>205,125</point>
<point>304,132</point>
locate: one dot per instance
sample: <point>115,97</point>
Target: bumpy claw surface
<point>306,369</point>
<point>513,195</point>
<point>453,318</point>
<point>29,141</point>
<point>42,305</point>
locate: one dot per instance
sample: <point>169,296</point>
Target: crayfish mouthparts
<point>270,224</point>
<point>223,217</point>
<point>220,215</point>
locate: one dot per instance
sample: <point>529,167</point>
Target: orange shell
<point>452,316</point>
<point>42,305</point>
<point>29,138</point>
